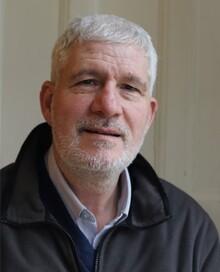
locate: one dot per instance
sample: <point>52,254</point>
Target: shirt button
<point>86,216</point>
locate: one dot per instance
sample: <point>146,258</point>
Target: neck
<point>99,192</point>
<point>102,203</point>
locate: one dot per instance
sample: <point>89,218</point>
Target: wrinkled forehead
<point>125,56</point>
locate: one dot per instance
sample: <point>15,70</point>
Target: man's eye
<point>88,82</point>
<point>129,88</point>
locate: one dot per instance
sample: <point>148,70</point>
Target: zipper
<point>102,244</point>
<point>99,249</point>
<point>97,262</point>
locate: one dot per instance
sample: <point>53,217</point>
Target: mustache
<point>99,123</point>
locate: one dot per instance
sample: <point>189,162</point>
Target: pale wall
<point>30,28</point>
<point>188,131</point>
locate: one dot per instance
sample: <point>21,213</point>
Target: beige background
<point>184,144</point>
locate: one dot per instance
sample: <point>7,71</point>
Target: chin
<point>97,162</point>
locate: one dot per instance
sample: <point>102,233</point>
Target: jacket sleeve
<point>209,243</point>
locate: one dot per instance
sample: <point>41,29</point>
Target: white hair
<point>104,28</point>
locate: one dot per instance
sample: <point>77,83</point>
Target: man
<point>79,196</point>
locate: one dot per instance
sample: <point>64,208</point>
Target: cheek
<point>138,119</point>
<point>70,109</point>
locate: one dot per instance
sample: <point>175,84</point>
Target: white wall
<point>188,133</point>
<point>184,143</point>
<point>2,9</point>
<point>30,28</point>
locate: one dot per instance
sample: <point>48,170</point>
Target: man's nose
<point>107,101</point>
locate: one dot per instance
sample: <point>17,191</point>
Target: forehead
<point>113,58</point>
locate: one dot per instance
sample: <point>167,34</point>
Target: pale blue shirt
<point>83,217</point>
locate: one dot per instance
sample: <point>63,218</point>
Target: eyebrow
<point>84,72</point>
<point>130,78</point>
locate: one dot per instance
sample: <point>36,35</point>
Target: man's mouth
<point>102,131</point>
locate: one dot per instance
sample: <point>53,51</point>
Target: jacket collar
<point>149,203</point>
<point>25,205</point>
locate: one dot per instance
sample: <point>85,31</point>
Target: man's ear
<point>153,107</point>
<point>46,99</point>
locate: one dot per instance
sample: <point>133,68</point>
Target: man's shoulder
<point>185,208</point>
<point>6,181</point>
<point>6,173</point>
<point>179,197</point>
<point>182,207</point>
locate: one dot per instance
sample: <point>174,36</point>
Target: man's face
<point>99,108</point>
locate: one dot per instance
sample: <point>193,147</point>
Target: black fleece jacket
<point>166,231</point>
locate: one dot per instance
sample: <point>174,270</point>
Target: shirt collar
<point>71,201</point>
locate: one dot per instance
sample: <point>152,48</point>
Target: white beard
<point>82,163</point>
